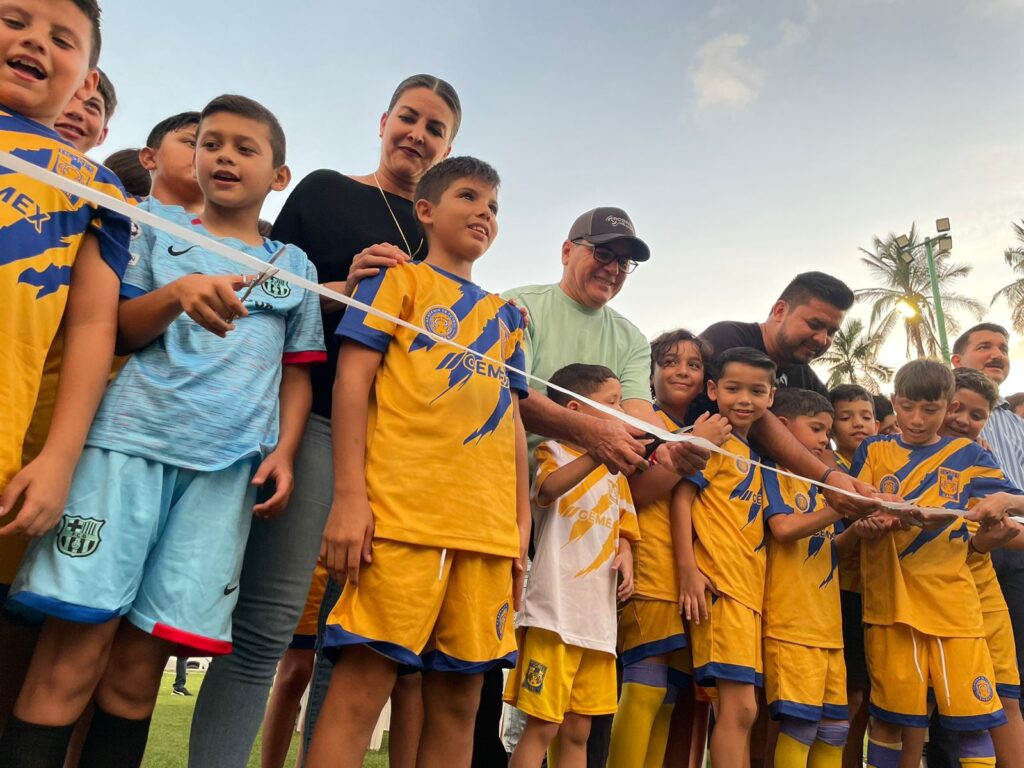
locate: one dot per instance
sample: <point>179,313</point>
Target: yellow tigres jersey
<point>654,562</point>
<point>849,564</point>
<point>41,230</point>
<point>841,461</point>
<point>989,592</point>
<point>728,522</point>
<point>571,588</point>
<point>801,596</point>
<point>440,447</point>
<point>921,577</point>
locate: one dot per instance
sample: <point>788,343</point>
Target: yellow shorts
<point>304,636</point>
<point>1003,650</point>
<point>649,628</point>
<point>728,645</point>
<point>429,608</point>
<point>552,678</point>
<point>906,666</point>
<point>803,682</point>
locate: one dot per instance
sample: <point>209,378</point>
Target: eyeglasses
<point>605,255</point>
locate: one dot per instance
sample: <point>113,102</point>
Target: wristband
<point>828,472</point>
<point>971,549</point>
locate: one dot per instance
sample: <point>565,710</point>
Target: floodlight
<point>942,225</point>
<point>945,244</point>
<point>905,308</point>
<point>902,241</point>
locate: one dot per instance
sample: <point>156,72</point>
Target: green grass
<point>168,736</point>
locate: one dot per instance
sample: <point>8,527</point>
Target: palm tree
<point>1014,292</point>
<point>904,292</point>
<point>853,358</point>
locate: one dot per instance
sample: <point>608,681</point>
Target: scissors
<point>263,276</point>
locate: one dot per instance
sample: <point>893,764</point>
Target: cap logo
<point>618,221</point>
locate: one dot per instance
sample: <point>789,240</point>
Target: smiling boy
<point>723,505</point>
<point>429,566</point>
<point>159,509</point>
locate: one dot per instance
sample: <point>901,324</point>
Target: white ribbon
<point>243,259</point>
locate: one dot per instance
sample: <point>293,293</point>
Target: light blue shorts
<point>157,544</point>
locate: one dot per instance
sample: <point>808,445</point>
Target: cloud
<point>721,77</point>
<point>795,33</point>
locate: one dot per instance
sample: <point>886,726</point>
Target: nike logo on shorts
<point>171,250</point>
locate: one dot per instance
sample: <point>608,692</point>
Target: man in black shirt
<point>799,329</point>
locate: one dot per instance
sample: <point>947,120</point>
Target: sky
<point>749,141</point>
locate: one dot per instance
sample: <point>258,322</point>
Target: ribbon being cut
<point>921,515</point>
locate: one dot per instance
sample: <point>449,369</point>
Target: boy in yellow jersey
<point>49,243</point>
<point>921,607</point>
<point>585,523</point>
<point>656,665</point>
<point>724,505</point>
<point>854,420</point>
<point>804,672</point>
<point>431,508</point>
<point>973,401</point>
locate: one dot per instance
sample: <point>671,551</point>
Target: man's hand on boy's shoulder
<point>42,486</point>
<point>211,300</point>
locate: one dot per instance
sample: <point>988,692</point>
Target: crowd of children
<point>739,589</point>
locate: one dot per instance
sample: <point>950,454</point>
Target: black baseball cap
<point>602,225</point>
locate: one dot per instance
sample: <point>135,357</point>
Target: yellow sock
<point>790,753</point>
<point>633,723</point>
<point>824,755</point>
<point>659,736</point>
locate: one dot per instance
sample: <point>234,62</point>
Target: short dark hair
<point>976,381</point>
<point>170,125</point>
<point>665,342</point>
<point>849,393</point>
<point>441,87</point>
<point>883,407</point>
<point>580,378</point>
<point>817,285</point>
<point>960,345</point>
<point>108,94</point>
<point>792,402</point>
<point>91,9</point>
<point>745,356</point>
<point>243,106</point>
<point>128,168</point>
<point>448,171</point>
<point>1015,400</point>
<point>924,380</point>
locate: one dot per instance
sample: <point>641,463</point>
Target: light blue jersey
<point>192,399</point>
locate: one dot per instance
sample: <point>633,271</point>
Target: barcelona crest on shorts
<point>79,536</point>
<point>949,483</point>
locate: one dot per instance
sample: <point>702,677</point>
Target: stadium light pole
<point>944,244</point>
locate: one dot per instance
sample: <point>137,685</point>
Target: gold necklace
<point>394,218</point>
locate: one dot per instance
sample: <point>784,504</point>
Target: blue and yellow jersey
<point>654,562</point>
<point>729,524</point>
<point>989,592</point>
<point>440,415</point>
<point>801,599</point>
<point>841,461</point>
<point>921,577</point>
<point>41,230</point>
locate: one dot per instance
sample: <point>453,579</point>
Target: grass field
<point>168,737</point>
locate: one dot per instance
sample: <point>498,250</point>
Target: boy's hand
<point>623,565</point>
<point>211,300</point>
<point>43,486</point>
<point>994,535</point>
<point>872,528</point>
<point>280,470</point>
<point>713,428</point>
<point>370,261</point>
<point>347,540</point>
<point>692,586</point>
<point>683,458</point>
<point>993,508</point>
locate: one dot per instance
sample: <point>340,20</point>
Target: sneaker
<point>183,691</point>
